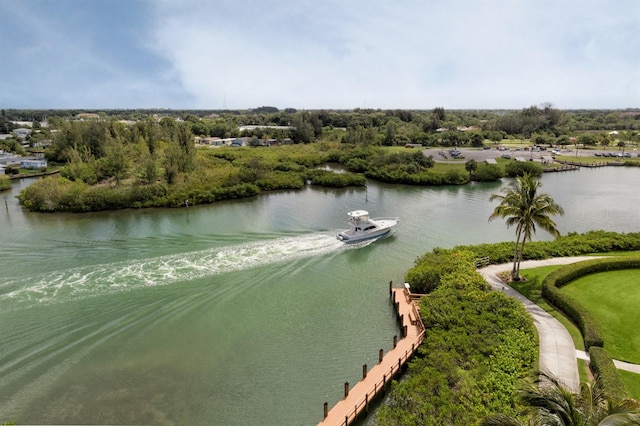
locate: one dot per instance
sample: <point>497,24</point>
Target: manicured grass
<point>531,289</point>
<point>584,372</point>
<point>631,383</point>
<point>613,298</point>
<point>622,253</point>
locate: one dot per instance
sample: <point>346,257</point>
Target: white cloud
<point>402,54</point>
<point>331,54</point>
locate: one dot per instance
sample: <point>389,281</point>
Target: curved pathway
<point>557,351</point>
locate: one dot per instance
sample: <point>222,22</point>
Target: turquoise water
<point>237,313</point>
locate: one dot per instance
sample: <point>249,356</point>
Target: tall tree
<point>116,158</point>
<point>524,208</point>
<point>185,141</point>
<point>471,166</point>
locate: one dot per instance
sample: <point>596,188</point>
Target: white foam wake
<point>164,270</point>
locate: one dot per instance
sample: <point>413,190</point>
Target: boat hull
<point>354,237</point>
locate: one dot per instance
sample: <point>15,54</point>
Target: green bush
<point>604,369</point>
<point>519,168</point>
<point>430,269</point>
<point>336,180</point>
<point>280,180</point>
<point>5,183</point>
<point>572,244</point>
<point>45,194</point>
<point>487,173</point>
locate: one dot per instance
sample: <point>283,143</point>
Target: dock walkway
<point>356,401</point>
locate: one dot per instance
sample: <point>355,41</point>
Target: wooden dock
<point>375,381</point>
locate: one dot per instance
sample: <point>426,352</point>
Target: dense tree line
<point>105,149</point>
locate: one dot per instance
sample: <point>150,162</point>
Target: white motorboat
<point>364,228</point>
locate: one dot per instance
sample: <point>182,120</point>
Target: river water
<point>247,312</point>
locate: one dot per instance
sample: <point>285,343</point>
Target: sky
<point>332,54</point>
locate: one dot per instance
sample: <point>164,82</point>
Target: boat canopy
<point>357,216</point>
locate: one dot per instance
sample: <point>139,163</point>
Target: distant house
<point>259,126</point>
<point>87,116</point>
<point>240,142</point>
<point>214,141</point>
<point>22,132</point>
<point>34,164</point>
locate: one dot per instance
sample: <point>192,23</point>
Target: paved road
<point>481,155</point>
<point>557,351</point>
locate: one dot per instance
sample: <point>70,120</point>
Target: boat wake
<point>128,275</point>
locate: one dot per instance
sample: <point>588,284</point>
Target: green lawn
<point>607,300</point>
<point>631,383</point>
<point>614,300</point>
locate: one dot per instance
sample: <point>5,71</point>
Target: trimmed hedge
<point>591,332</point>
<point>604,369</point>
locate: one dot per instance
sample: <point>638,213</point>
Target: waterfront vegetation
<point>478,346</point>
<point>119,159</point>
<point>449,279</point>
<point>5,183</point>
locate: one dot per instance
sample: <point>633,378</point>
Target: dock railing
<point>374,382</point>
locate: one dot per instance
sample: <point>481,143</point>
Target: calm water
<point>239,313</point>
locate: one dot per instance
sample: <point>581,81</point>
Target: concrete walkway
<point>620,365</point>
<point>557,351</point>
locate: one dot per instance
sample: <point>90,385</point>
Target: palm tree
<point>471,166</point>
<point>523,207</point>
<point>550,404</point>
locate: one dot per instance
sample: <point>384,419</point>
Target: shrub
<point>5,183</point>
<point>604,369</point>
<point>280,180</point>
<point>336,180</point>
<point>572,244</point>
<point>430,269</point>
<point>45,194</point>
<point>519,168</point>
<point>488,173</point>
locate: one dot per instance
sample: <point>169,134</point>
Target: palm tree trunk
<point>521,251</point>
<point>516,255</point>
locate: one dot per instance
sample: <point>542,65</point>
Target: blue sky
<point>418,54</point>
